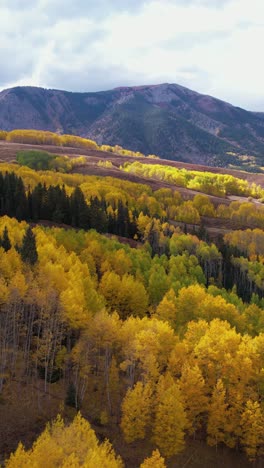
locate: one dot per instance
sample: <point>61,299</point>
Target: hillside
<point>132,290</point>
<point>8,152</point>
<point>152,174</point>
<point>168,120</point>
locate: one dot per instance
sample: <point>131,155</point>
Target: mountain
<point>168,120</point>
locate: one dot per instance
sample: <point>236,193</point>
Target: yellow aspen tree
<point>216,351</point>
<point>217,415</point>
<point>158,284</point>
<point>188,303</point>
<point>146,352</point>
<point>252,426</point>
<point>192,385</point>
<point>142,223</point>
<point>121,262</point>
<point>71,462</point>
<point>20,458</point>
<point>166,309</point>
<point>132,297</point>
<point>155,461</point>
<point>110,288</point>
<point>178,358</point>
<point>136,412</point>
<point>95,348</point>
<point>234,411</point>
<point>70,446</point>
<point>153,347</point>
<point>170,417</point>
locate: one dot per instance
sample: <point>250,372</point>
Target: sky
<point>211,46</point>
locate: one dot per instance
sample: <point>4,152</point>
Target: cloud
<point>90,45</point>
<point>109,77</point>
<point>188,40</point>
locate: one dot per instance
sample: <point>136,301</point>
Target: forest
<point>40,137</point>
<point>219,185</point>
<point>146,334</point>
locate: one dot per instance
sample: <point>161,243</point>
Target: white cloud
<point>210,46</point>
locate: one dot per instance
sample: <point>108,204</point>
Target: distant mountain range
<point>168,120</point>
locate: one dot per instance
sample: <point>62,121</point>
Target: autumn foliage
<point>148,330</point>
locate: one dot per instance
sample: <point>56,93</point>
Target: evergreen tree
<point>21,201</point>
<point>122,219</point>
<point>71,397</point>
<point>36,202</point>
<point>202,233</point>
<point>111,221</point>
<point>97,215</point>
<point>28,250</point>
<point>79,210</point>
<point>152,235</point>
<point>132,226</point>
<point>5,241</point>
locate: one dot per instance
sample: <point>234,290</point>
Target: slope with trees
<point>153,333</point>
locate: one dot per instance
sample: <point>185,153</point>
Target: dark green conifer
<point>28,250</point>
<point>5,241</point>
<point>71,397</point>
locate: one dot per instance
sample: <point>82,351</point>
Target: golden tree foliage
<point>170,417</point>
<point>155,461</point>
<point>193,389</point>
<point>125,295</point>
<point>3,135</point>
<point>106,317</point>
<point>40,137</point>
<point>166,309</point>
<point>252,422</point>
<point>217,415</point>
<point>136,411</point>
<point>66,446</point>
<point>206,182</point>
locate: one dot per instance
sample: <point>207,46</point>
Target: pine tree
<point>35,202</point>
<point>5,241</point>
<point>152,235</point>
<point>28,250</point>
<point>71,397</point>
<point>79,210</point>
<point>21,201</point>
<point>97,215</point>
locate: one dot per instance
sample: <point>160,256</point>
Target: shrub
<point>3,135</point>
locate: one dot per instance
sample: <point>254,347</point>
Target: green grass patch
<point>43,161</point>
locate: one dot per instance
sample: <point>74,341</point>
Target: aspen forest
<point>131,316</point>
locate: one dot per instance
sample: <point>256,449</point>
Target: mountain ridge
<point>166,119</point>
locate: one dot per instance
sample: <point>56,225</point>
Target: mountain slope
<point>169,120</point>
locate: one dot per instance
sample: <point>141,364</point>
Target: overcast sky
<point>212,46</point>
